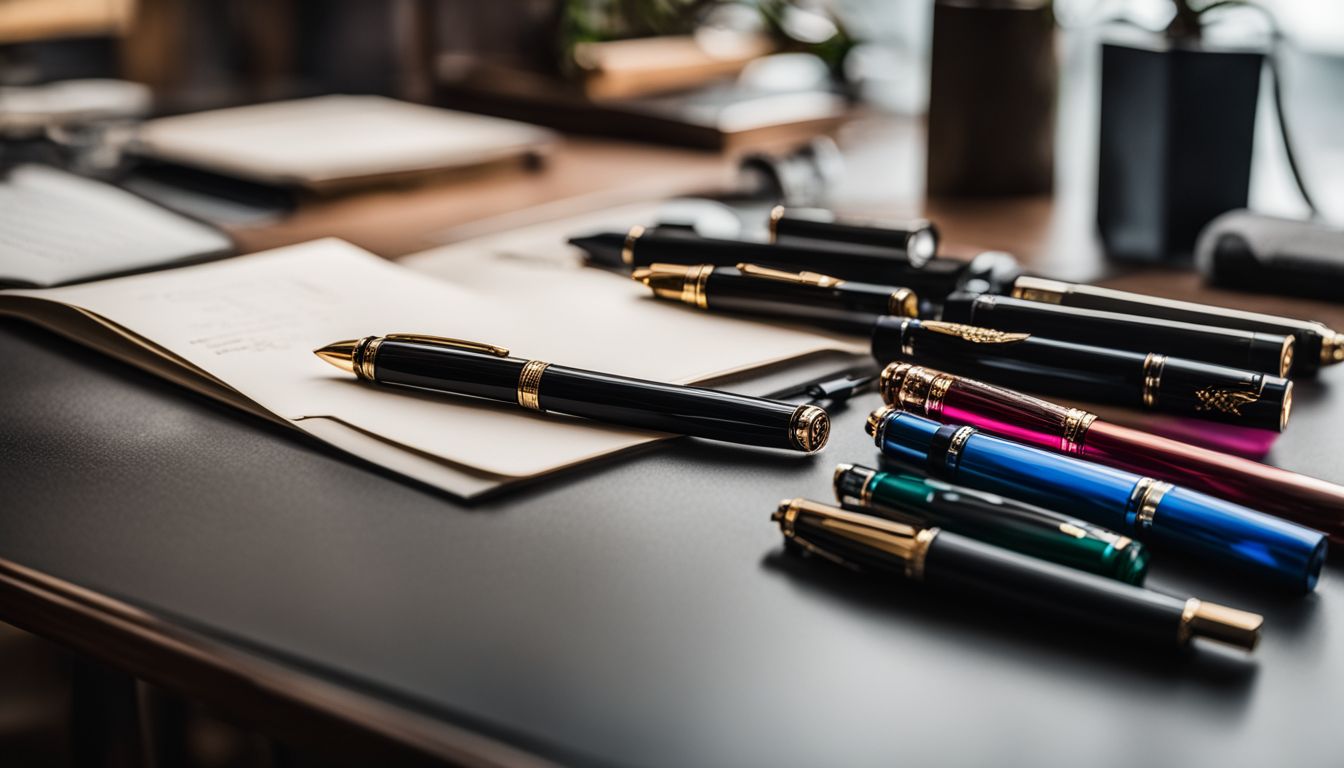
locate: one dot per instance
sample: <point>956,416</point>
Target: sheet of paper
<point>56,227</point>
<point>253,322</point>
<point>313,142</point>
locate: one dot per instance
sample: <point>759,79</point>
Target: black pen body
<point>916,239</point>
<point>1151,381</point>
<point>730,288</point>
<point>603,397</point>
<point>994,575</point>
<point>986,574</point>
<point>1316,344</point>
<point>1250,350</point>
<point>846,261</point>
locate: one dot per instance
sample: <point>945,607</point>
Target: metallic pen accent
<point>469,368</point>
<point>915,239</point>
<point>1274,551</point>
<point>1266,352</point>
<point>1316,344</point>
<point>1015,416</point>
<point>927,502</point>
<point>754,289</point>
<point>956,564</point>
<point>1153,381</point>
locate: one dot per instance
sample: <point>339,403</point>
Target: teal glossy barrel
<point>993,519</point>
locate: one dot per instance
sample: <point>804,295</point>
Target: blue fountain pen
<point>1271,550</point>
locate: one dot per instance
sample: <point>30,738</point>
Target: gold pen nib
<point>670,281</point>
<point>340,354</point>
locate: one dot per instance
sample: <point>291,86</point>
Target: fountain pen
<point>761,290</point>
<point>469,368</point>
<point>1274,551</point>
<point>1015,416</point>
<point>960,565</point>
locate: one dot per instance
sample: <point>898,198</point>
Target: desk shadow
<point>986,627</point>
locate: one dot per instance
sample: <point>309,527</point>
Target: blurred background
<point>1053,126</point>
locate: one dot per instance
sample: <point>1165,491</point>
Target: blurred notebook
<point>331,142</point>
<point>58,228</point>
<point>243,330</point>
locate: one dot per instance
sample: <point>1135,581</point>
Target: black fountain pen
<point>762,290</point>
<point>482,370</point>
<point>958,564</point>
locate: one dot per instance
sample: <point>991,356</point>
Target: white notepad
<point>57,228</point>
<point>243,331</point>
<point>332,141</point>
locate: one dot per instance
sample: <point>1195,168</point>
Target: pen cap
<point>902,436</point>
<point>916,239</point>
<point>1288,554</point>
<point>889,335</point>
<point>1219,393</point>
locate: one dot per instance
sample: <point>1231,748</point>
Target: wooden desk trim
<point>255,692</point>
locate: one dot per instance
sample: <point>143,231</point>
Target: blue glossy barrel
<point>1272,550</point>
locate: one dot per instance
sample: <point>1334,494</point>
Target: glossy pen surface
<point>1317,344</point>
<point>959,565</point>
<point>1274,551</point>
<point>1152,381</point>
<point>993,519</point>
<point>1250,350</point>
<point>847,261</point>
<point>1016,416</point>
<point>478,370</point>
<point>916,239</point>
<point>755,289</point>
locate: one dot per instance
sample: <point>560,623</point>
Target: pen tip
<point>642,275</point>
<point>340,354</point>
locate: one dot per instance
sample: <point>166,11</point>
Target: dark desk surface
<point>638,612</point>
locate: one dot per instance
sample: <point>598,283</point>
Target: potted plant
<point>1177,124</point>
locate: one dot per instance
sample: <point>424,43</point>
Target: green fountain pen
<point>993,519</point>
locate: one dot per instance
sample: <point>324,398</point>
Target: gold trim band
<point>1152,378</point>
<point>1150,493</point>
<point>1076,424</point>
<point>628,250</point>
<point>776,214</point>
<point>903,302</point>
<point>529,384</point>
<point>367,368</point>
<point>914,566</point>
<point>1185,630</point>
<point>954,447</point>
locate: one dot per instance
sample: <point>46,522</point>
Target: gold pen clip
<point>800,278</point>
<point>443,341</point>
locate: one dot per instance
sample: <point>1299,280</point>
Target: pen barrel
<point>1316,344</point>
<point>1009,524</point>
<point>1275,551</point>
<point>1009,414</point>
<point>843,260</point>
<point>1307,500</point>
<point>1251,350</point>
<point>681,410</point>
<point>1154,382</point>
<point>961,564</point>
<point>727,288</point>
<point>411,364</point>
<point>915,239</point>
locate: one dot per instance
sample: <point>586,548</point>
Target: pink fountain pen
<point>1013,415</point>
